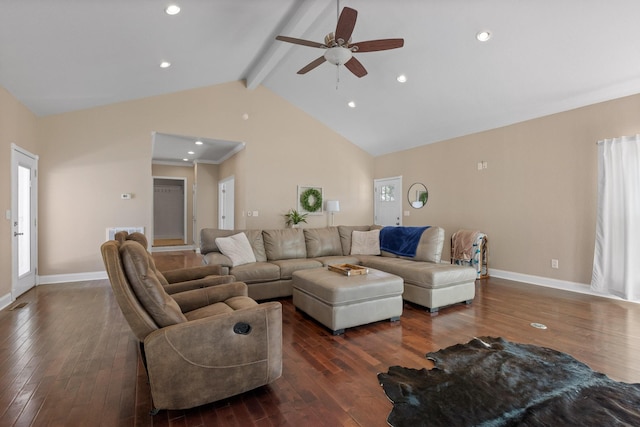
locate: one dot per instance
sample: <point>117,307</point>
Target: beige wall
<point>537,198</point>
<point>90,157</point>
<point>207,197</point>
<point>18,126</point>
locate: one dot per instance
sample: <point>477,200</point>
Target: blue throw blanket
<point>401,241</point>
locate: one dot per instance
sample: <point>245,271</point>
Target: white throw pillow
<point>365,242</point>
<point>237,248</point>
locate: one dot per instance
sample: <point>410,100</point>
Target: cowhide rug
<point>494,382</point>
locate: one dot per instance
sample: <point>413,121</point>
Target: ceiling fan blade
<point>312,65</point>
<point>376,45</point>
<point>300,42</point>
<point>355,67</point>
<point>346,24</point>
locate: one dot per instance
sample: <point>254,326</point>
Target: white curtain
<point>616,261</point>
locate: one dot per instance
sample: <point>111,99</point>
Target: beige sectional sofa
<point>280,252</point>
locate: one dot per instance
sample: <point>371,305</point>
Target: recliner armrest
<point>197,298</point>
<point>191,273</point>
<point>174,288</point>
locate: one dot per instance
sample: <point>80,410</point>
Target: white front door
<point>387,209</point>
<point>226,202</point>
<point>24,208</point>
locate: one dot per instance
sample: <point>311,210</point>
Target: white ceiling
<point>545,56</point>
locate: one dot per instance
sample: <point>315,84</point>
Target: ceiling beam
<point>303,15</point>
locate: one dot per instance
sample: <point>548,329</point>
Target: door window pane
<point>24,220</point>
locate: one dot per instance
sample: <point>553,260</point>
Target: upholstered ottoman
<point>340,302</point>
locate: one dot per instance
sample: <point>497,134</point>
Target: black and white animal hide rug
<point>494,382</point>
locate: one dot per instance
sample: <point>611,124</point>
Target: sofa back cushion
<point>208,238</point>
<point>257,244</point>
<point>345,236</point>
<point>430,245</point>
<point>287,243</point>
<point>237,248</point>
<point>322,242</point>
<point>365,242</point>
<point>142,278</point>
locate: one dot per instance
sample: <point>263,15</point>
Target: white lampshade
<point>333,206</point>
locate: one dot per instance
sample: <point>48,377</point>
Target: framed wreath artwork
<point>310,199</point>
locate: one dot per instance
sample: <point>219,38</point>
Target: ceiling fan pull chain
<point>337,76</point>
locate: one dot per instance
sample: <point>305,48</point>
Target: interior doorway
<point>387,208</point>
<point>24,209</point>
<point>169,211</point>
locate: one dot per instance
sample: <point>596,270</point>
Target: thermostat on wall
<point>125,196</point>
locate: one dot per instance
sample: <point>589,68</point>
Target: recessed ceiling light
<point>186,160</point>
<point>172,9</point>
<point>190,152</point>
<point>165,64</point>
<point>351,104</point>
<point>483,36</point>
<point>401,78</point>
<point>198,142</point>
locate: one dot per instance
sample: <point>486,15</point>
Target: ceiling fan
<point>339,49</point>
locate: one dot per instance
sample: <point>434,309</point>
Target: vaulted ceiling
<point>543,57</point>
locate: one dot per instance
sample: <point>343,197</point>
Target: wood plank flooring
<point>68,358</point>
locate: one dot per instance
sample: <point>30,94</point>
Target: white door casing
<point>24,222</point>
<point>387,207</point>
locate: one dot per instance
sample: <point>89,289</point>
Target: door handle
<point>17,234</point>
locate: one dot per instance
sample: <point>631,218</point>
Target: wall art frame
<point>310,199</point>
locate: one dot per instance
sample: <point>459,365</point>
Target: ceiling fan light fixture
<point>337,55</point>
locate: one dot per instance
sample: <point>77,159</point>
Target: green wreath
<point>311,200</point>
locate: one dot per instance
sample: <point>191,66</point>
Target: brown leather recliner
<point>182,279</point>
<point>201,345</point>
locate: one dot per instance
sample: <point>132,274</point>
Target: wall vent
<point>111,231</point>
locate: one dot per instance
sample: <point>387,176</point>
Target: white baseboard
<point>172,248</point>
<point>71,277</point>
<point>564,285</point>
<point>5,300</point>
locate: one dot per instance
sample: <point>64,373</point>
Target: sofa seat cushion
<point>329,260</point>
<point>256,272</point>
<point>425,274</point>
<point>288,266</point>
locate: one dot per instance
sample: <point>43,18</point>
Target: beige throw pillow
<point>237,248</point>
<point>365,242</point>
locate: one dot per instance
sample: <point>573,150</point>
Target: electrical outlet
<point>554,263</point>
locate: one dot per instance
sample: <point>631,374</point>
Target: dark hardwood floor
<point>68,358</point>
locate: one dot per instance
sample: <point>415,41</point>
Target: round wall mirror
<point>418,195</point>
